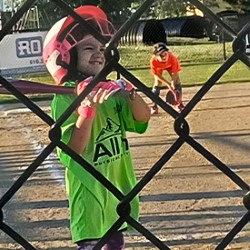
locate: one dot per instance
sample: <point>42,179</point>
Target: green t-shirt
<point>92,206</point>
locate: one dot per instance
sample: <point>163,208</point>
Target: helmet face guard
<point>66,34</point>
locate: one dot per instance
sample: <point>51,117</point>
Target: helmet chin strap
<point>80,76</point>
<point>72,74</point>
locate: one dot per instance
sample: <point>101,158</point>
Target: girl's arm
<point>140,110</point>
<point>81,134</point>
<point>86,111</point>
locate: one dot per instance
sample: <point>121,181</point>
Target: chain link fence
<point>181,129</point>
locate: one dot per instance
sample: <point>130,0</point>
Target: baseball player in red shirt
<point>162,60</point>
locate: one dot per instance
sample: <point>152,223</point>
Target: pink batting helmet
<point>66,34</point>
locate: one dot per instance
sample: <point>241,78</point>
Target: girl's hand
<point>100,93</point>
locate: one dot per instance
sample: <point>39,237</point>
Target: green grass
<point>199,74</point>
<point>198,62</point>
<point>139,56</point>
<point>199,59</point>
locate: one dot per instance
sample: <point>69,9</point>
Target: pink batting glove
<point>101,92</point>
<point>82,85</point>
<point>107,88</point>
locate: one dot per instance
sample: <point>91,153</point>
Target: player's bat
<point>30,87</point>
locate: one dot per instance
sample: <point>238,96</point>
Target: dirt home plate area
<point>189,204</point>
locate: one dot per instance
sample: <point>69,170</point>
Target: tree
<point>245,5</point>
<point>238,5</point>
<point>52,12</point>
<point>11,5</point>
<point>163,8</point>
<point>117,11</point>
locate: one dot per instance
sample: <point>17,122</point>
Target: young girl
<point>162,60</point>
<point>96,130</point>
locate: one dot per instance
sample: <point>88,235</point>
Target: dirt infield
<point>189,204</point>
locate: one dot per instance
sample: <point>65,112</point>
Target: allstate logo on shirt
<point>108,143</point>
<point>29,46</point>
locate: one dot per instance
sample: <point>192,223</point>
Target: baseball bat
<point>30,87</point>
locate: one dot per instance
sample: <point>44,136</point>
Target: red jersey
<point>172,65</point>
